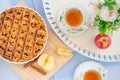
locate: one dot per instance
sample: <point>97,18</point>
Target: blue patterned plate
<point>82,43</point>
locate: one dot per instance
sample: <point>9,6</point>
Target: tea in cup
<point>92,75</point>
<point>74,17</point>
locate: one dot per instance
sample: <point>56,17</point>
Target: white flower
<point>108,15</point>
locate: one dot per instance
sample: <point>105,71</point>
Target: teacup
<point>72,19</point>
<point>90,70</point>
<point>93,75</point>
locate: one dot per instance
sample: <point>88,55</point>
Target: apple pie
<point>23,34</point>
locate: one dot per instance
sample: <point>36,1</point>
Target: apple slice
<point>64,52</point>
<point>46,62</point>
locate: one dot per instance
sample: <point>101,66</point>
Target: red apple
<point>102,41</point>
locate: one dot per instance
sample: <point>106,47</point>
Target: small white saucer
<point>65,28</point>
<point>89,65</point>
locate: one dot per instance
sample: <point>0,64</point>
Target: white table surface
<point>65,73</point>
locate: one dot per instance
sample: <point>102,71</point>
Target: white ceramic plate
<point>89,65</point>
<point>22,4</point>
<point>82,43</point>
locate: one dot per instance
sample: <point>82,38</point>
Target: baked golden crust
<point>22,34</point>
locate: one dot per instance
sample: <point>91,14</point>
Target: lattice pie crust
<point>22,34</point>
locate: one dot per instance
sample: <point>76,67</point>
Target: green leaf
<point>105,4</point>
<point>102,31</point>
<point>110,4</point>
<point>113,3</point>
<point>119,11</point>
<point>61,17</point>
<point>103,75</point>
<point>110,7</point>
<point>80,29</point>
<point>98,12</point>
<point>116,22</point>
<point>68,30</point>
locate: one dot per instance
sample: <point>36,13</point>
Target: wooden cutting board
<point>32,72</point>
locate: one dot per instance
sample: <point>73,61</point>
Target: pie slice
<point>23,34</point>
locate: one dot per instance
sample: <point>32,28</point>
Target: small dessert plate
<point>77,20</point>
<point>84,67</point>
